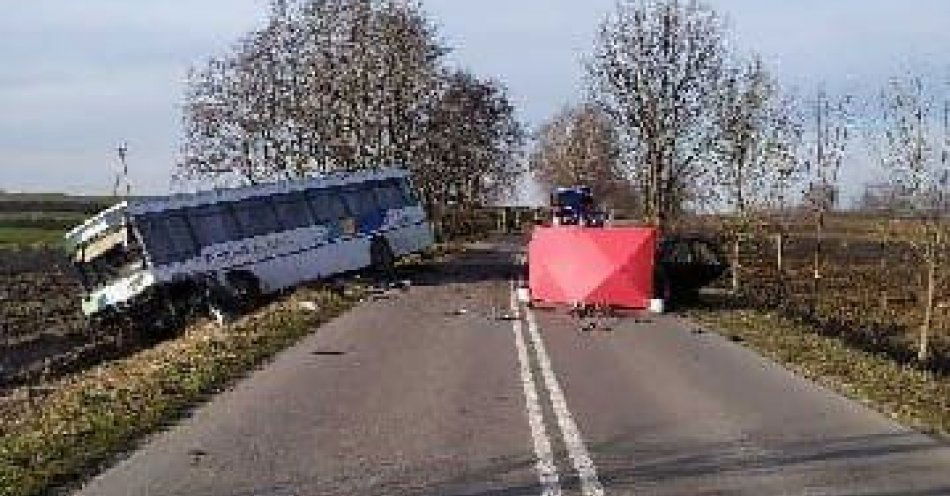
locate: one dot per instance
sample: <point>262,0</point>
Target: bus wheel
<point>245,289</point>
<point>221,304</point>
<point>382,259</point>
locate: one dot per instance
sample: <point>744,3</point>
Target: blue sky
<point>76,78</point>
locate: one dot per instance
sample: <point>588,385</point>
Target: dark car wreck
<point>685,264</point>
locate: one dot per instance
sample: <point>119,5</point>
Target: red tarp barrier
<point>612,265</point>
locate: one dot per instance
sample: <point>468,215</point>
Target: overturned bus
<point>220,249</point>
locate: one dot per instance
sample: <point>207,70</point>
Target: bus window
<point>327,205</point>
<point>113,254</point>
<point>389,196</point>
<point>360,202</point>
<point>292,211</point>
<point>167,237</point>
<point>155,236</point>
<point>408,196</point>
<point>256,217</point>
<point>213,224</point>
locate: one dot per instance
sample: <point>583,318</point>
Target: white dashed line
<point>586,471</point>
<point>547,471</point>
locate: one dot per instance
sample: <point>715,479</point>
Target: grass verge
<point>914,397</point>
<point>77,424</point>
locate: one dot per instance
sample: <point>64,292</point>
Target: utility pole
<point>123,175</point>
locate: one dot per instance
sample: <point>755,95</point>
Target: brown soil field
<point>870,290</point>
<point>43,334</point>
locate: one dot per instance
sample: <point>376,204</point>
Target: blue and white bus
<point>230,244</point>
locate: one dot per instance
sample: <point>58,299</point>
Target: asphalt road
<point>455,388</point>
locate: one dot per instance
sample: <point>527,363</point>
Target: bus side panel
<point>295,262</point>
<point>410,239</point>
<point>408,231</point>
<point>339,256</point>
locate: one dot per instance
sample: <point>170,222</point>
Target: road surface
<point>455,388</point>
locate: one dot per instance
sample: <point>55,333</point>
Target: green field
<point>13,237</point>
<point>42,219</point>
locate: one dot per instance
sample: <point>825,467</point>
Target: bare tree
<point>326,84</point>
<point>915,148</point>
<point>655,71</point>
<point>349,84</point>
<point>756,150</point>
<point>832,135</point>
<point>579,146</point>
<point>472,146</point>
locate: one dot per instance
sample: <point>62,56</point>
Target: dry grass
<point>58,434</point>
<point>871,290</point>
<point>915,397</point>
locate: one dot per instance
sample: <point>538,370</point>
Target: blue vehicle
<point>574,206</point>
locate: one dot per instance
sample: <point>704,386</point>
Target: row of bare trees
<point>679,119</point>
<point>675,121</point>
<point>913,144</point>
<point>347,84</point>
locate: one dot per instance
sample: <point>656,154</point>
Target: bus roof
<point>210,197</point>
<point>96,225</point>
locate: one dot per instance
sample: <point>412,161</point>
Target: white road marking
<point>547,471</point>
<point>590,483</point>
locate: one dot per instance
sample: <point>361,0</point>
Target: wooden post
<point>819,238</point>
<point>923,352</point>
<point>735,264</point>
<point>779,249</point>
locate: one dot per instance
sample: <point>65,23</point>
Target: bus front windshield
<point>111,256</point>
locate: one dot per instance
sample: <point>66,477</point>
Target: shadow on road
<point>860,465</point>
<point>483,263</point>
<point>857,460</point>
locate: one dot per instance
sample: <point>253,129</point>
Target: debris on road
<point>197,455</point>
<point>507,316</point>
<point>328,353</point>
<point>378,293</point>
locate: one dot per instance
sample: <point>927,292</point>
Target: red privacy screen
<point>612,266</point>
